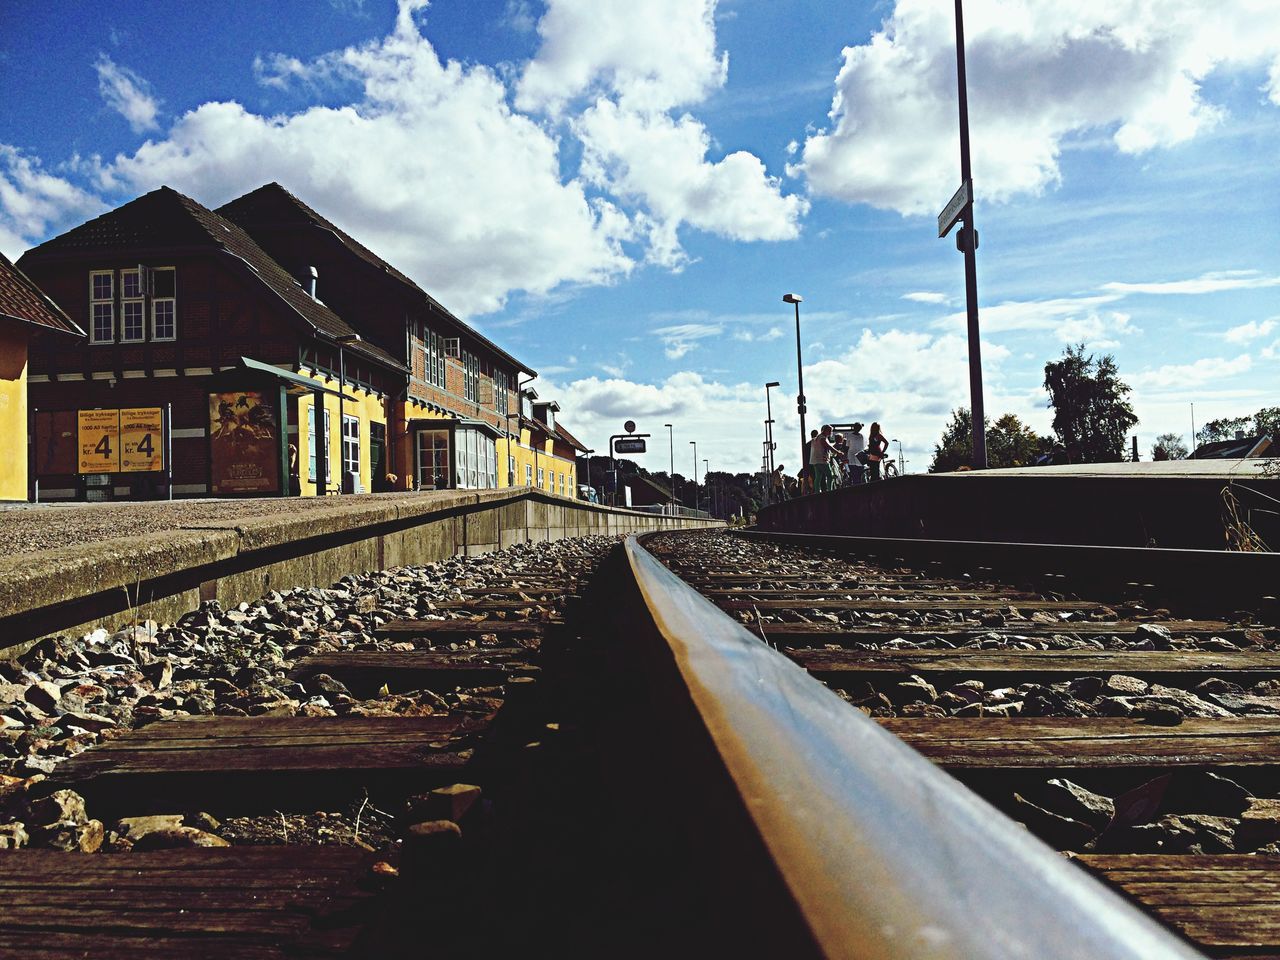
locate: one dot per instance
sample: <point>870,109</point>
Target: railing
<point>881,853</point>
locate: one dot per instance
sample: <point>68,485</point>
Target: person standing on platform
<point>857,455</point>
<point>877,446</point>
<point>820,452</point>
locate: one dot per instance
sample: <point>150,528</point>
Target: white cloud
<point>33,202</point>
<point>127,93</point>
<point>654,54</point>
<point>426,149</point>
<point>680,338</point>
<point>1037,72</point>
<point>1175,377</point>
<point>1253,330</point>
<point>1214,282</point>
<point>926,296</point>
<point>662,163</point>
<point>1069,319</point>
<point>749,336</point>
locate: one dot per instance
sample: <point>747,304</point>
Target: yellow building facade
<point>336,435</point>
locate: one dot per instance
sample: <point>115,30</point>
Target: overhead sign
<point>628,446</point>
<point>141,439</point>
<point>99,441</point>
<point>955,208</point>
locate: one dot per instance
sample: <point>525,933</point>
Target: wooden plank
<point>1236,917</point>
<point>998,597</point>
<point>906,605</point>
<point>259,763</point>
<point>455,629</point>
<point>315,902</point>
<point>850,633</point>
<point>418,670</point>
<point>1244,666</point>
<point>1049,743</point>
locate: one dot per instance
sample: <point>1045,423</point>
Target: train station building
<point>260,350</point>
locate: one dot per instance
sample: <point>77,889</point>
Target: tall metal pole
<point>711,490</point>
<point>695,473</point>
<point>801,407</point>
<point>967,240</point>
<point>671,449</point>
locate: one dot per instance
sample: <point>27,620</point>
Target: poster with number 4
<point>141,439</point>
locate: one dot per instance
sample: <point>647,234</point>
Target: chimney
<point>311,283</point>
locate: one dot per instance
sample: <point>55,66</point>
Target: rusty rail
<point>879,853</point>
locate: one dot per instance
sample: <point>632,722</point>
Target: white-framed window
<point>528,475</point>
<point>433,459</point>
<point>501,386</point>
<point>312,434</point>
<point>541,479</point>
<point>102,306</point>
<point>133,308</point>
<point>511,471</point>
<point>350,444</point>
<point>470,377</point>
<point>164,303</point>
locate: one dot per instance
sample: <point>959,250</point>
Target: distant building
<point>541,452</point>
<point>282,354</point>
<point>1239,448</point>
<point>26,315</point>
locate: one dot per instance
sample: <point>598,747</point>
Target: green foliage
<point>1010,443</point>
<point>1266,420</point>
<point>1169,446</point>
<point>1092,416</point>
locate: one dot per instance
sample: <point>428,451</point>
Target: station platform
<point>1189,504</point>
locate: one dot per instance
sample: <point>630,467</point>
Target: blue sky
<point>620,193</point>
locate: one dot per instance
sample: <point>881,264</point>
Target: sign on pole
<point>626,445</point>
<point>99,441</point>
<point>955,208</point>
<point>141,439</point>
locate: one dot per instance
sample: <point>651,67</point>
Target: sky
<point>619,192</point>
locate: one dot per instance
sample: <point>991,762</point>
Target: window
<point>433,459</point>
<point>470,377</point>
<point>528,475</point>
<point>350,444</point>
<point>501,385</point>
<point>133,328</point>
<point>324,445</point>
<point>541,484</point>
<point>511,471</point>
<point>164,299</point>
<point>102,307</point>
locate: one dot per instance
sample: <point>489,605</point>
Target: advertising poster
<point>244,443</point>
<point>141,439</point>
<point>99,433</point>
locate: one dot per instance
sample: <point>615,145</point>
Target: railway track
<point>1142,741</point>
<point>572,753</point>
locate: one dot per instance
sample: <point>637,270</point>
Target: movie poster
<point>244,443</point>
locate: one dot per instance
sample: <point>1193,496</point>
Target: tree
<point>1091,414</point>
<point>1169,446</point>
<point>1266,420</point>
<point>1010,443</point>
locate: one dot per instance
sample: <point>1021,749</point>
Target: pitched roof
<point>165,218</point>
<point>22,300</point>
<point>569,438</point>
<point>271,205</point>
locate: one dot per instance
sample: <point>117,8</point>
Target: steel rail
<point>1217,576</point>
<point>883,854</point>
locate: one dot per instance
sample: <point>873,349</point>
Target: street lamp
<point>671,449</point>
<point>343,341</point>
<point>768,424</point>
<point>711,491</point>
<point>695,473</point>
<point>796,299</point>
<point>589,453</point>
<point>901,463</point>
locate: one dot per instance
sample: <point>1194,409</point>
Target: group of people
<point>834,459</point>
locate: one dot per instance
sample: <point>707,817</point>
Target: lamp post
<point>901,463</point>
<point>344,341</point>
<point>801,407</point>
<point>768,424</point>
<point>967,242</point>
<point>711,491</point>
<point>589,453</point>
<point>695,473</point>
<point>671,449</point>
